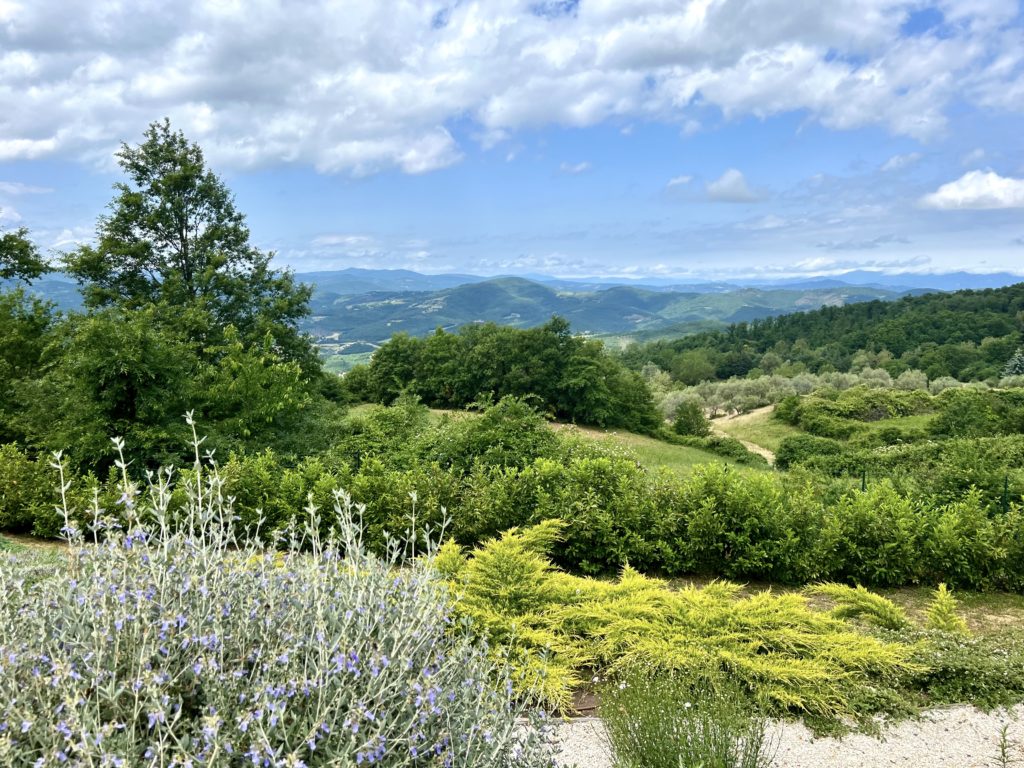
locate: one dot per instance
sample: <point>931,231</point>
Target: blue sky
<point>630,138</point>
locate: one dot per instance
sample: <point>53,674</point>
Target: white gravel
<point>958,737</point>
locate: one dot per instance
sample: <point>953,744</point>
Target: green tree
<point>690,420</point>
<point>1015,365</point>
<point>19,257</point>
<point>173,236</point>
<point>25,325</point>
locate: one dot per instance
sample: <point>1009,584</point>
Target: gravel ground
<point>959,737</point>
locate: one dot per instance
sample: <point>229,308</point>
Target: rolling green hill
<point>967,335</point>
<point>375,316</point>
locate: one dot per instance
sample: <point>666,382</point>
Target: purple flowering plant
<point>167,640</point>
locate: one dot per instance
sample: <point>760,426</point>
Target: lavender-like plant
<point>167,641</point>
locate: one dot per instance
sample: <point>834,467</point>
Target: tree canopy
<point>568,376</point>
<point>20,258</point>
<point>174,237</point>
<point>182,313</point>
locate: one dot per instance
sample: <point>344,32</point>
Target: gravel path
<point>959,737</point>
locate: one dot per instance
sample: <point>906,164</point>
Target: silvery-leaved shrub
<point>169,642</point>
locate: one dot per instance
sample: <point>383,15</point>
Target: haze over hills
<point>515,301</point>
<point>354,310</point>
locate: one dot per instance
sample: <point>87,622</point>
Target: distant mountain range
<point>354,310</point>
<point>516,301</point>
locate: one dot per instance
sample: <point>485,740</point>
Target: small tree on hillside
<point>1015,365</point>
<point>690,420</point>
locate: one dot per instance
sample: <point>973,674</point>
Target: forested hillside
<point>966,335</point>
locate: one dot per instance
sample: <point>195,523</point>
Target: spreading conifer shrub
<point>169,641</point>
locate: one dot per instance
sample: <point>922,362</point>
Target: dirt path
<point>740,418</point>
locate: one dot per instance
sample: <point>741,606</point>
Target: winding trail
<point>740,418</point>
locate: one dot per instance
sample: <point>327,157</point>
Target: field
<point>758,428</point>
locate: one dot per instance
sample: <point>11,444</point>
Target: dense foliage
<point>507,468</point>
<point>182,313</point>
<point>570,377</point>
<point>174,643</point>
<point>966,335</point>
<point>937,446</point>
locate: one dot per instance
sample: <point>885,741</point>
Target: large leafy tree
<point>173,237</point>
<point>19,257</point>
<point>24,324</point>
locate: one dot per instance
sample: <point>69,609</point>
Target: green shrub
<point>664,721</point>
<point>690,420</point>
<point>951,668</point>
<point>877,538</point>
<point>942,615</point>
<point>798,449</point>
<point>27,490</point>
<point>510,433</point>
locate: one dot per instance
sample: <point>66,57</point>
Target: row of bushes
<point>961,412</point>
<point>716,522</point>
<point>939,470</point>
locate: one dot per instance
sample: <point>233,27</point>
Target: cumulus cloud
<point>731,187</point>
<point>574,169</point>
<point>678,181</point>
<point>898,162</point>
<point>361,87</point>
<point>977,190</point>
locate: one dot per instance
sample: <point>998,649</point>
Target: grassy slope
<point>654,453</point>
<point>759,428</point>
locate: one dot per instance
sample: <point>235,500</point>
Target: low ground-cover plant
<point>668,721</point>
<point>171,642</point>
<point>558,630</point>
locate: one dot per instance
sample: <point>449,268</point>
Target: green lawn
<point>917,422</point>
<point>654,453</point>
<point>759,428</point>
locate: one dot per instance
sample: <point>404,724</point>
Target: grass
<point>344,363</point>
<point>654,454</point>
<point>758,428</point>
<point>919,421</point>
<point>650,452</point>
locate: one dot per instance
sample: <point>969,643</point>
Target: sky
<point>622,138</point>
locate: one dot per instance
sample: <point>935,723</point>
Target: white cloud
<point>977,190</point>
<point>342,241</point>
<point>731,187</point>
<point>898,162</point>
<point>574,169</point>
<point>9,215</point>
<point>356,88</point>
<point>678,181</point>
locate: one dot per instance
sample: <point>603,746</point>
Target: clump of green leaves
<point>942,615</point>
<point>859,603</point>
<point>665,721</point>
